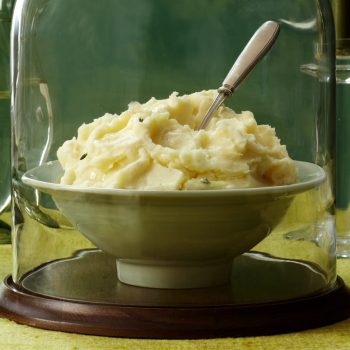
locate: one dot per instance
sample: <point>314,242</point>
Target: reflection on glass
<point>343,146</point>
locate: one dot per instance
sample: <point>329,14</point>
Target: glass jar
<point>341,9</point>
<point>342,170</point>
<point>6,7</point>
<point>74,61</point>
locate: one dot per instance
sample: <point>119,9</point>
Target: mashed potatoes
<point>155,146</point>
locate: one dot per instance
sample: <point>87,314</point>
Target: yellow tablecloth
<point>19,337</point>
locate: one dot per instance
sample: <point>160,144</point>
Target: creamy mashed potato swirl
<point>155,146</point>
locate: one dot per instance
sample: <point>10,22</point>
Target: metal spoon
<point>257,47</point>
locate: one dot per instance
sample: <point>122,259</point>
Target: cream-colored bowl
<point>173,239</point>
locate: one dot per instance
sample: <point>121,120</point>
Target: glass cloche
<point>128,219</point>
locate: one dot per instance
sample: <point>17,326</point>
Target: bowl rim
<point>32,178</point>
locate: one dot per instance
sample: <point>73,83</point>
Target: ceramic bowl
<point>173,239</point>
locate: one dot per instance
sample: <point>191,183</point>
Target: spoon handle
<point>257,47</point>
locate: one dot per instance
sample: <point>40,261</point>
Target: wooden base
<point>82,294</point>
<point>174,322</point>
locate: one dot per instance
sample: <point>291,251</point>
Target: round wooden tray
<point>43,300</point>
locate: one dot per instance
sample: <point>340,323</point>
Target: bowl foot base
<point>174,275</point>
